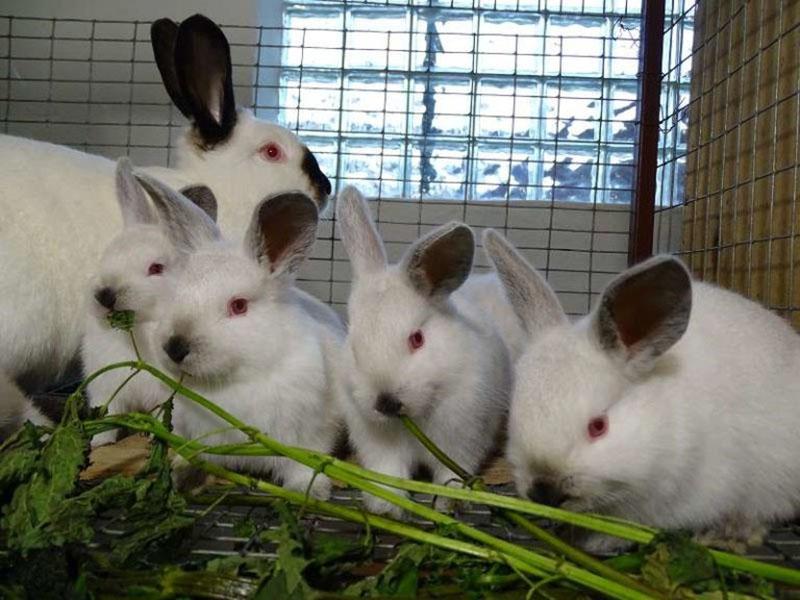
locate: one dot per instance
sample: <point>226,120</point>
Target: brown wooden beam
<point>640,243</point>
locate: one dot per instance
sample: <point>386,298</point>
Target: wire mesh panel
<point>739,217</point>
<point>519,115</point>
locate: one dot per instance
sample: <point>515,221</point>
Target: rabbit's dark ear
<point>204,74</point>
<point>163,34</point>
<point>282,232</point>
<point>203,197</point>
<point>645,310</point>
<point>440,262</point>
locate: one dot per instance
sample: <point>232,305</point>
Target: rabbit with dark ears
<point>673,403</point>
<point>135,272</point>
<point>422,341</point>
<point>239,332</point>
<point>68,198</point>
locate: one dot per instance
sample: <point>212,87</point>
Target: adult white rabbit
<point>135,271</point>
<point>58,209</point>
<point>420,342</point>
<point>241,334</point>
<point>673,403</point>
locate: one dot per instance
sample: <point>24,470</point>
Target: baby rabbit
<point>419,343</point>
<point>133,272</point>
<point>241,334</point>
<point>55,193</point>
<point>672,403</point>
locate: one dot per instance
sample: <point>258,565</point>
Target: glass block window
<point>466,99</point>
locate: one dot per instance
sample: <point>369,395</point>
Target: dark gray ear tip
<point>670,270</point>
<point>201,24</point>
<point>297,204</point>
<point>163,27</point>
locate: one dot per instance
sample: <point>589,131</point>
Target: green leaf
<point>121,319</point>
<point>400,577</point>
<point>34,503</point>
<point>673,562</point>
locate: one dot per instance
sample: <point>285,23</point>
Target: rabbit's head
<point>405,343</point>
<point>574,437</point>
<point>223,321</point>
<point>232,151</point>
<point>135,267</point>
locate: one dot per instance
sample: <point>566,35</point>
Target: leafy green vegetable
<point>121,319</point>
<point>673,560</point>
<point>27,519</point>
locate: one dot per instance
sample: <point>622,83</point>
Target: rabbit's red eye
<point>416,340</point>
<point>237,306</point>
<point>155,269</point>
<point>271,152</point>
<point>597,427</point>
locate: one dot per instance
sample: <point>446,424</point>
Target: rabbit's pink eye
<point>237,306</point>
<point>597,427</point>
<point>155,269</point>
<point>271,152</point>
<point>416,340</point>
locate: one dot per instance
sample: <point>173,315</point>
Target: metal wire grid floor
<point>215,532</point>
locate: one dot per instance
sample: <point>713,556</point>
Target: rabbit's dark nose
<point>388,405</point>
<point>106,297</point>
<point>546,492</point>
<point>177,347</point>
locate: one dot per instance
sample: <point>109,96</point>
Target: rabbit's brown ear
<point>440,262</point>
<point>282,231</point>
<point>645,310</point>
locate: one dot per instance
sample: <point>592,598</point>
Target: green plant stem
<point>321,461</point>
<point>119,388</point>
<point>514,552</point>
<point>574,554</point>
<point>611,526</point>
<point>357,516</point>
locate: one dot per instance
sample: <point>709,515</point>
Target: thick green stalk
<point>574,554</point>
<point>323,462</point>
<point>517,553</point>
<point>349,514</point>
<point>616,527</point>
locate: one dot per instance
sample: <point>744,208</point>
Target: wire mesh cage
<point>736,223</point>
<point>515,115</point>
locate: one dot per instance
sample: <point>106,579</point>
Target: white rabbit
<point>58,209</point>
<point>134,271</point>
<point>641,412</point>
<point>241,334</point>
<point>422,344</point>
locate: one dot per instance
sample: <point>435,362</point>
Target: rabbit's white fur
<point>124,271</point>
<point>455,386</point>
<point>272,367</point>
<point>702,412</point>
<point>70,210</point>
<point>16,408</point>
<point>58,209</point>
